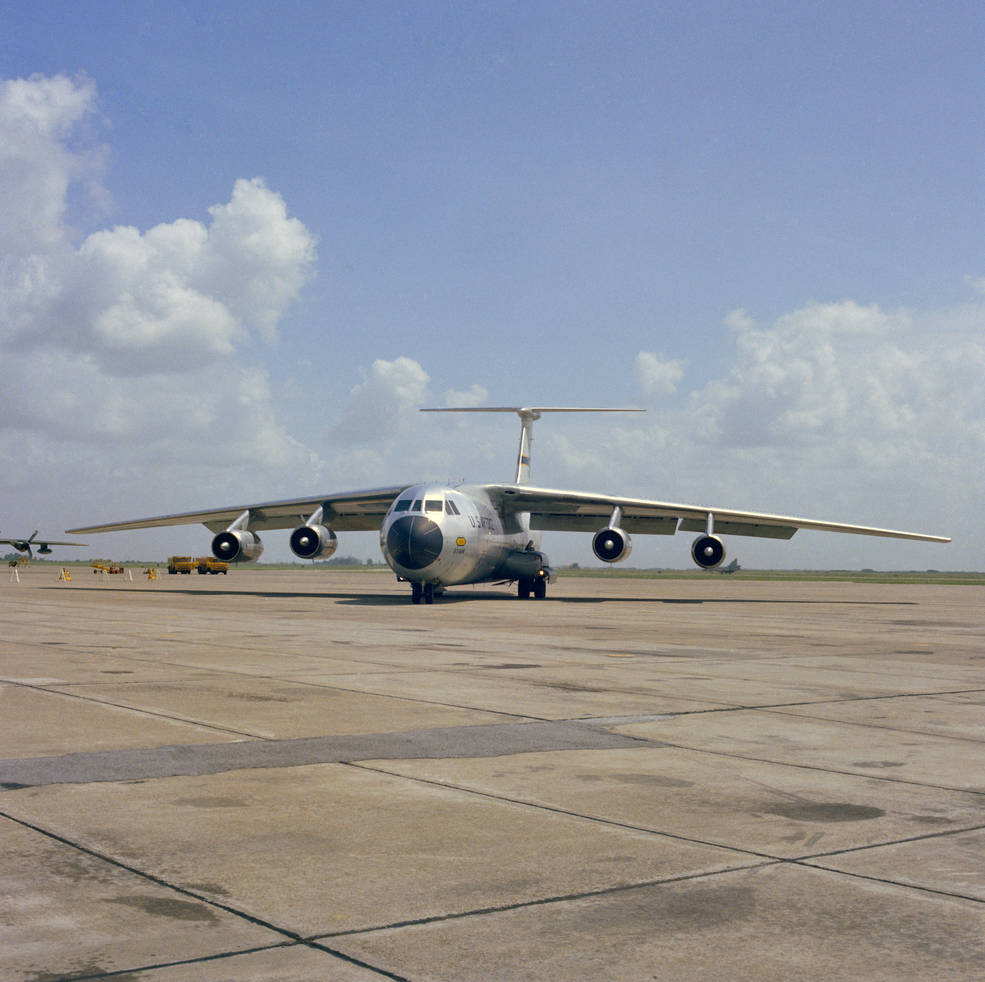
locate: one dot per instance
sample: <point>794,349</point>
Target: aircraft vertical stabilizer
<point>527,416</point>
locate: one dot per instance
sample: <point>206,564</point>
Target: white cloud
<point>835,411</point>
<point>167,300</point>
<point>475,395</point>
<point>860,383</point>
<point>121,349</point>
<point>258,258</point>
<point>38,118</point>
<point>385,405</point>
<point>657,377</point>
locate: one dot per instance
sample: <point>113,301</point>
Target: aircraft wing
<point>576,511</point>
<point>352,511</point>
<point>38,542</point>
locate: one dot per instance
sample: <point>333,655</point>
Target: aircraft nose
<point>414,542</point>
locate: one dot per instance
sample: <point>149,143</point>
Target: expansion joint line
<point>767,859</point>
<point>894,842</point>
<point>894,883</point>
<point>170,717</point>
<point>555,810</point>
<point>544,901</point>
<point>815,767</point>
<point>292,936</point>
<point>813,862</point>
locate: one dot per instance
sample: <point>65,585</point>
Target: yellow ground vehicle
<point>182,564</point>
<point>98,567</point>
<point>209,564</point>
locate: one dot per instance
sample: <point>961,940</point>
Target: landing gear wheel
<point>429,593</point>
<point>415,593</point>
<point>540,587</point>
<point>523,588</point>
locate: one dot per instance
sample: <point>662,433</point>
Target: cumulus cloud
<point>657,377</point>
<point>841,411</point>
<point>137,303</point>
<point>167,300</point>
<point>127,343</point>
<point>258,258</point>
<point>385,405</point>
<point>860,381</point>
<point>39,117</point>
<point>475,395</point>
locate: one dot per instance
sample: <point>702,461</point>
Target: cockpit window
<point>416,506</point>
<point>450,507</point>
<point>403,505</point>
<point>433,504</point>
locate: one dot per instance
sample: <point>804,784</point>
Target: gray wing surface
<point>40,542</point>
<point>351,511</point>
<point>576,511</point>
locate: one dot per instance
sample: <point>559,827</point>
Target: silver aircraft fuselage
<point>442,535</point>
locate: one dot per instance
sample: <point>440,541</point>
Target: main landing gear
<point>536,585</point>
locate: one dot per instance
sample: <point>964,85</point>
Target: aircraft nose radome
<point>414,542</point>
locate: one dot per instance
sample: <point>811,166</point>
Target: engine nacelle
<point>612,545</point>
<point>708,551</point>
<point>313,542</point>
<point>237,547</point>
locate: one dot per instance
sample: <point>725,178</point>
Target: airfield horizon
<point>927,576</point>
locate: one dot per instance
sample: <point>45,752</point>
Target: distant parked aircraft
<point>731,568</point>
<point>44,545</point>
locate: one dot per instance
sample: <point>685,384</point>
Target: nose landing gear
<point>422,591</point>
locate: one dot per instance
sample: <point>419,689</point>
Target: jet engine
<point>708,551</point>
<point>237,546</point>
<point>313,542</point>
<point>612,545</point>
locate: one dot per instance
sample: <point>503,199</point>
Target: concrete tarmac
<point>301,776</point>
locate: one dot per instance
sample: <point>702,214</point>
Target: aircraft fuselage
<point>443,536</point>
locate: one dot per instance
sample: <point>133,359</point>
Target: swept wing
<point>350,511</point>
<point>575,511</point>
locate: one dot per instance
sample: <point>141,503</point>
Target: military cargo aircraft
<point>438,535</point>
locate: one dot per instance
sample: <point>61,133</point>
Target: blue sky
<point>261,236</point>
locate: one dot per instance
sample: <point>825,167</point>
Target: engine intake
<point>708,551</point>
<point>612,545</point>
<point>313,542</point>
<point>237,546</point>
